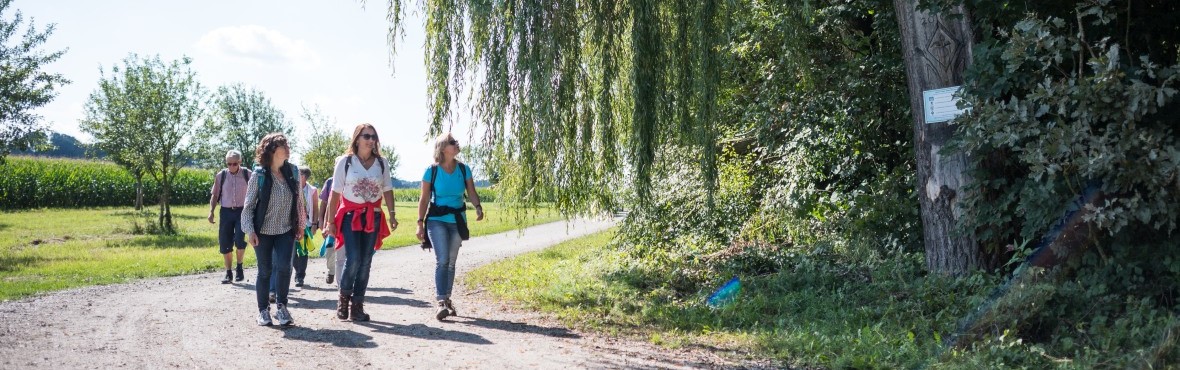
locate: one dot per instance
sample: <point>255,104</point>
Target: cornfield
<point>28,182</point>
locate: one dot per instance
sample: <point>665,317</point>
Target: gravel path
<point>196,322</point>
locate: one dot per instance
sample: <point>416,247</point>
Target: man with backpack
<point>229,191</point>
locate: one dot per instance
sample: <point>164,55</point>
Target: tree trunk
<point>937,50</point>
<point>139,192</point>
<point>166,211</point>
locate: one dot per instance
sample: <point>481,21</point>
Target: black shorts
<point>229,233</point>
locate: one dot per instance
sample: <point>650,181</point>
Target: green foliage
<point>239,117</point>
<point>71,183</point>
<point>1057,108</point>
<point>578,95</point>
<point>144,116</point>
<point>23,85</point>
<point>324,144</point>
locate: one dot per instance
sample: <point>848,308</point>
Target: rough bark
<point>937,50</point>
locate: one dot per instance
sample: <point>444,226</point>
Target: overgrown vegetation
<point>815,208</point>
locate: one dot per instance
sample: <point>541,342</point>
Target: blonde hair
<point>441,143</point>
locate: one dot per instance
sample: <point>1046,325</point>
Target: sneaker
<point>264,317</point>
<point>283,317</point>
<point>228,276</point>
<point>330,279</point>
<point>451,307</point>
<point>272,298</point>
<point>298,283</point>
<point>443,311</point>
<point>240,275</point>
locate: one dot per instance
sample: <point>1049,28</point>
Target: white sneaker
<point>284,317</point>
<point>264,317</point>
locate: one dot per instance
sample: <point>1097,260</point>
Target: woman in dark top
<point>273,218</point>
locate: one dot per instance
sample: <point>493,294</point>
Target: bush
<point>41,182</point>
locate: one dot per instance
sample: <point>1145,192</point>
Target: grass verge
<point>53,249</point>
<point>811,315</point>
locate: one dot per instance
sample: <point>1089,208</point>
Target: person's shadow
<point>424,332</point>
<point>338,338</point>
<point>517,327</point>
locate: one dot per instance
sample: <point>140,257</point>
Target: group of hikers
<point>276,210</point>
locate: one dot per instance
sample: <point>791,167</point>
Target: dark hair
<point>356,136</point>
<point>266,148</point>
<point>305,171</point>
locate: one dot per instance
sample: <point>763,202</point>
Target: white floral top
<point>361,185</point>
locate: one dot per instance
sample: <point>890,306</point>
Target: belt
<point>233,208</point>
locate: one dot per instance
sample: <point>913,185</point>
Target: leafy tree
<point>239,117</point>
<point>324,143</point>
<point>23,85</point>
<point>576,95</point>
<point>144,115</point>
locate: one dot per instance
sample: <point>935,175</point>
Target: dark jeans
<point>300,264</point>
<point>358,246</point>
<point>274,259</point>
<point>229,231</point>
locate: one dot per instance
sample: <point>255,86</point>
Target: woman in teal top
<point>442,217</point>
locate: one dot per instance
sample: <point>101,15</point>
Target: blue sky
<point>327,52</point>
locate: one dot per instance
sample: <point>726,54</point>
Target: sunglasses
<point>368,136</point>
<point>453,142</point>
<point>233,164</point>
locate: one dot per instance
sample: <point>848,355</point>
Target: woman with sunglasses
<point>360,180</point>
<point>274,219</point>
<point>442,219</point>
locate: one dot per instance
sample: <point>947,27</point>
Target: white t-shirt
<point>361,185</point>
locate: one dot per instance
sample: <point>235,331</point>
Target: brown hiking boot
<point>342,306</point>
<point>358,310</point>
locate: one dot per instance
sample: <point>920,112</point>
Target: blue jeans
<point>358,246</point>
<point>274,258</point>
<point>444,237</point>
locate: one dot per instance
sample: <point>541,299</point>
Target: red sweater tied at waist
<point>360,211</point>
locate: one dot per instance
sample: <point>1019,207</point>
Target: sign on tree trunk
<point>937,50</point>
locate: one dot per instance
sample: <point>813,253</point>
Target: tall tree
<point>576,95</point>
<point>146,113</point>
<point>324,143</point>
<point>239,117</point>
<point>937,49</point>
<point>23,85</point>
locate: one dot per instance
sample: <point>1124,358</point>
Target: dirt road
<point>196,322</point>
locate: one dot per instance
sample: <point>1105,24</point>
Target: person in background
<point>229,191</point>
<point>273,218</point>
<point>335,261</point>
<point>311,202</point>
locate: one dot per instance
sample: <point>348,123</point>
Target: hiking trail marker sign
<point>941,105</point>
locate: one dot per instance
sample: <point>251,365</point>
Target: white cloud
<point>260,45</point>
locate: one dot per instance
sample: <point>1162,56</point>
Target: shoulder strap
<point>221,185</point>
<point>433,176</point>
<point>347,164</point>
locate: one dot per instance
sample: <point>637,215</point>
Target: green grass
<point>53,249</point>
<point>813,315</point>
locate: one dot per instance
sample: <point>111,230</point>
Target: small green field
<point>52,249</point>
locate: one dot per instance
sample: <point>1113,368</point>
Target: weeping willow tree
<point>575,96</point>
